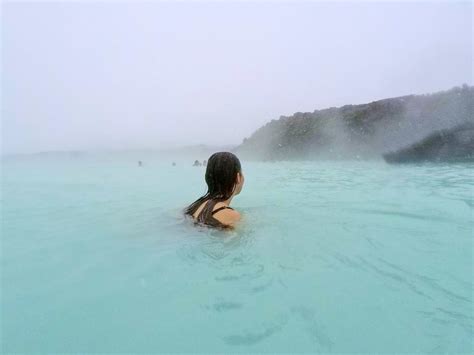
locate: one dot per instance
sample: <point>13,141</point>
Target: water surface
<point>330,257</point>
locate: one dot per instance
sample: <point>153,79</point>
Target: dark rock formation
<point>360,131</point>
<point>456,144</point>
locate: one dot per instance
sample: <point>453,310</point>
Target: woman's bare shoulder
<point>227,216</point>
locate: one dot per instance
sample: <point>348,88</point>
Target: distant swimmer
<point>224,180</point>
<point>197,163</point>
<point>140,163</point>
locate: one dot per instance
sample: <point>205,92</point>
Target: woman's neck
<point>227,202</point>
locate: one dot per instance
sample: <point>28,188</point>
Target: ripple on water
<point>255,336</point>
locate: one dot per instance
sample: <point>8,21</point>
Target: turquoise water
<point>330,257</point>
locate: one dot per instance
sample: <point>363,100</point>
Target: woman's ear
<point>240,178</point>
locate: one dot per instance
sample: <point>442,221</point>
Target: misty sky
<point>91,75</point>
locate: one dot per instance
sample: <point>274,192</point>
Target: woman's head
<point>224,179</point>
<point>223,176</point>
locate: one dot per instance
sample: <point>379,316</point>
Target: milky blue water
<point>330,257</point>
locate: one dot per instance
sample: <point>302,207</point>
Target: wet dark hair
<point>221,178</point>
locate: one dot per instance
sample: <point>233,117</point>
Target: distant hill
<point>360,131</point>
<point>190,153</point>
<point>199,151</point>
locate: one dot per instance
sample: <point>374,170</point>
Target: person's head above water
<point>224,180</point>
<point>223,176</point>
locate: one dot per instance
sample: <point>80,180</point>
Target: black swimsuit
<point>220,209</point>
<point>210,220</point>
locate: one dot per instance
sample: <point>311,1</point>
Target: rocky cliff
<point>360,131</point>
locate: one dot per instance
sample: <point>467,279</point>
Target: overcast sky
<point>91,75</point>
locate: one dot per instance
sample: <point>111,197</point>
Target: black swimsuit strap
<point>220,209</point>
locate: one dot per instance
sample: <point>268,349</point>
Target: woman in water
<point>224,180</point>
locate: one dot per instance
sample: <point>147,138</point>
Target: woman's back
<point>216,214</point>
